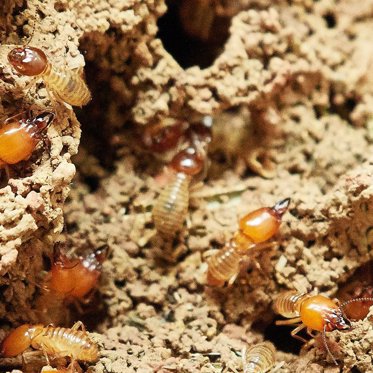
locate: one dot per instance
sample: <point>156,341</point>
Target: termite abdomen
<point>259,358</point>
<point>224,266</point>
<point>288,304</point>
<point>73,343</point>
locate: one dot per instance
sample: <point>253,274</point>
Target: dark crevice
<point>280,336</point>
<point>342,109</point>
<point>330,20</point>
<point>191,50</point>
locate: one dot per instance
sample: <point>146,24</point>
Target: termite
<point>313,312</point>
<point>66,85</point>
<point>76,278</point>
<point>20,136</point>
<point>255,229</point>
<point>53,341</point>
<point>187,166</point>
<point>172,204</point>
<point>259,358</point>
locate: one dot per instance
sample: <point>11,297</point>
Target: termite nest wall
<point>289,87</point>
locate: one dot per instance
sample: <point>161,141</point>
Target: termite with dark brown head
<point>53,341</point>
<point>313,312</point>
<point>162,137</point>
<point>66,85</point>
<point>255,229</point>
<point>171,207</point>
<point>20,135</point>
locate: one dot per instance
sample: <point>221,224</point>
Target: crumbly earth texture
<point>291,94</point>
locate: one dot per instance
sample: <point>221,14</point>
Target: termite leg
<point>243,358</point>
<point>8,172</point>
<point>74,367</point>
<point>28,86</point>
<point>78,325</point>
<point>44,349</point>
<point>297,330</point>
<point>22,114</point>
<point>257,264</point>
<point>265,245</point>
<point>47,142</point>
<point>294,320</point>
<point>232,280</point>
<point>309,332</point>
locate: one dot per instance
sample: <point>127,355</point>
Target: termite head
<point>188,161</point>
<point>321,313</point>
<point>262,224</point>
<point>28,60</point>
<point>160,138</point>
<point>17,341</point>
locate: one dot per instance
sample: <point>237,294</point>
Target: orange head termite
<point>19,137</point>
<point>76,278</point>
<point>259,358</point>
<point>66,85</point>
<point>53,341</point>
<point>255,229</point>
<point>313,312</point>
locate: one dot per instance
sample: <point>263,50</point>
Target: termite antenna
<point>327,347</point>
<point>32,34</point>
<point>281,207</point>
<point>363,299</point>
<point>243,357</point>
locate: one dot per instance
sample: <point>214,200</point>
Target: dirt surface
<point>290,93</point>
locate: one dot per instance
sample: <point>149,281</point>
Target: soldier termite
<point>71,280</point>
<point>20,135</point>
<point>66,85</point>
<point>53,341</point>
<point>255,229</point>
<point>313,312</point>
<point>76,278</point>
<point>259,358</point>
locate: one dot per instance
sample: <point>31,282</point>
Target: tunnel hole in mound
<point>192,35</point>
<point>96,137</point>
<point>280,336</point>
